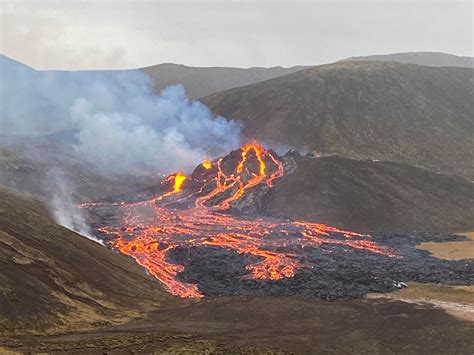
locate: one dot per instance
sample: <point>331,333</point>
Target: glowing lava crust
<point>195,211</point>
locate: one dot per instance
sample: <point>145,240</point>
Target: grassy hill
<point>406,113</point>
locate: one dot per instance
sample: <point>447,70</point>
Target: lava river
<point>198,210</point>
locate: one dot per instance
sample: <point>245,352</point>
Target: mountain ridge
<point>407,113</point>
<point>432,59</point>
<point>203,81</point>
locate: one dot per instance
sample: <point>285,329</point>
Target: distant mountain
<point>200,82</point>
<point>54,280</point>
<point>407,113</point>
<point>429,59</point>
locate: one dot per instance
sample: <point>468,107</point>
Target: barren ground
<point>456,300</point>
<point>452,250</point>
<point>255,325</point>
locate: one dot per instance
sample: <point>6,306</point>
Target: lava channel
<point>196,211</point>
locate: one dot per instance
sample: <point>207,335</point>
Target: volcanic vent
<point>205,210</point>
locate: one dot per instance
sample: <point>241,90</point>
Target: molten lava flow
<point>178,180</point>
<point>150,229</point>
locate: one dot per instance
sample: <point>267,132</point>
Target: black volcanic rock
<point>331,272</point>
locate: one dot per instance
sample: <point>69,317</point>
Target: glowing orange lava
<point>207,164</point>
<point>178,180</point>
<point>186,217</point>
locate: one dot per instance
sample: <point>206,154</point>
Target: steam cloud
<point>113,117</point>
<point>64,210</point>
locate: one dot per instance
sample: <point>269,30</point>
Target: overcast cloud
<point>124,34</point>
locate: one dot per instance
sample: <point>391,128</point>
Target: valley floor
<point>414,323</point>
<point>272,325</point>
<point>456,300</point>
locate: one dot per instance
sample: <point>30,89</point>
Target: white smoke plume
<point>64,210</point>
<point>113,118</point>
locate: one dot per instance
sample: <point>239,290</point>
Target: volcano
<point>199,235</point>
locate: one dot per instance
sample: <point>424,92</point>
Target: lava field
<point>199,235</point>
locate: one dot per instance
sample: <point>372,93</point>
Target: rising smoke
<point>113,117</point>
<point>64,210</point>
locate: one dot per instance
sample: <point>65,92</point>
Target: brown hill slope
<point>371,196</point>
<point>53,280</point>
<point>200,82</point>
<point>388,111</point>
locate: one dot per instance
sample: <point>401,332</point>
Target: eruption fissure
<point>194,212</point>
<point>178,180</point>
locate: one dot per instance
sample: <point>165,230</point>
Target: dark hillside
<point>421,116</point>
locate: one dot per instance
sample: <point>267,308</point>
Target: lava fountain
<point>197,210</point>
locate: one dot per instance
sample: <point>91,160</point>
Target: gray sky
<point>126,34</point>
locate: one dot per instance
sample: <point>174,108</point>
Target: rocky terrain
<point>331,272</point>
<point>421,116</point>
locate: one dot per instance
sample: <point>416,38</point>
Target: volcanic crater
<point>205,234</point>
